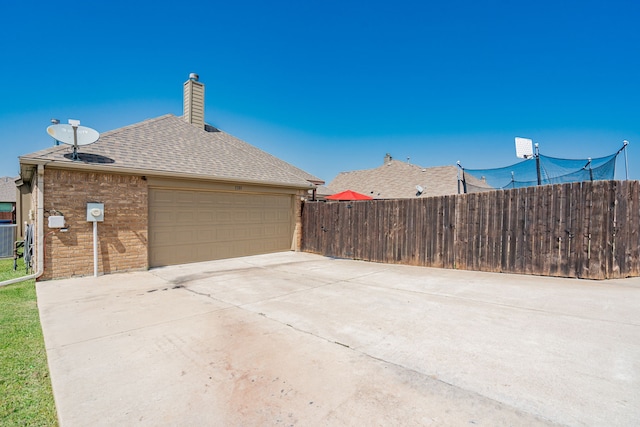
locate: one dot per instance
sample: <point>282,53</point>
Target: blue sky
<point>332,86</point>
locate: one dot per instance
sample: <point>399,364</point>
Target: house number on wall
<point>238,187</point>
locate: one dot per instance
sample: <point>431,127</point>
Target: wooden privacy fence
<point>584,230</point>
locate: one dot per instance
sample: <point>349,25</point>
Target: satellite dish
<point>73,134</point>
<point>419,190</point>
<point>64,134</point>
<point>524,148</point>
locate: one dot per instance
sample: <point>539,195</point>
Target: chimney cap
<point>194,77</point>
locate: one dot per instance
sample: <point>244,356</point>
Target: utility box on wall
<point>56,221</point>
<point>95,212</point>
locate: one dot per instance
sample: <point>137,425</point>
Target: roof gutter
<point>157,173</point>
<point>40,231</point>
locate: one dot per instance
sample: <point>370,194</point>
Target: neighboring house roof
<point>397,180</point>
<point>168,145</point>
<point>322,191</point>
<point>7,189</point>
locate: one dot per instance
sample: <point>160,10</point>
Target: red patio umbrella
<point>349,195</point>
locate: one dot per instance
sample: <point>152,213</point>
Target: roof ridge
<point>273,160</point>
<point>282,164</point>
<point>398,162</point>
<point>137,124</point>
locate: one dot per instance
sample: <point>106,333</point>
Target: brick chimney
<point>193,111</point>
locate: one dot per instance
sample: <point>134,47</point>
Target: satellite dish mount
<point>74,124</point>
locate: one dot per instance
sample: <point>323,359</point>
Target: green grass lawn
<point>6,269</point>
<point>26,398</point>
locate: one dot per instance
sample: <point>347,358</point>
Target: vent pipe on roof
<point>194,101</point>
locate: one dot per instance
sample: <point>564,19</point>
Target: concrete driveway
<point>300,339</point>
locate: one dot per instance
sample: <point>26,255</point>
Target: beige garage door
<point>190,226</point>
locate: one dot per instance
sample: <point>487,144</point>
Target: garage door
<point>190,226</point>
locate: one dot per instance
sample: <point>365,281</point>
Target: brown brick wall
<point>122,236</point>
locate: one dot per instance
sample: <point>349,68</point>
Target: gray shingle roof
<point>169,145</point>
<point>324,191</point>
<point>7,189</point>
<point>396,179</point>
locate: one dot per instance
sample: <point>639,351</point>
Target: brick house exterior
<point>164,181</point>
<point>123,237</point>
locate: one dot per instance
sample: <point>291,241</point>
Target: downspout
<point>40,225</point>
